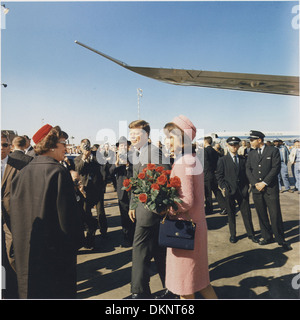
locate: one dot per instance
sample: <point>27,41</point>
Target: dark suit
<point>145,243</point>
<point>266,169</point>
<point>13,166</point>
<point>92,181</point>
<point>30,152</point>
<point>233,179</point>
<point>211,158</point>
<point>20,159</point>
<point>121,173</point>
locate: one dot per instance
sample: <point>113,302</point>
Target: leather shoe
<point>253,239</point>
<point>140,296</point>
<point>223,212</point>
<point>263,242</point>
<point>166,294</point>
<point>233,239</point>
<point>286,246</point>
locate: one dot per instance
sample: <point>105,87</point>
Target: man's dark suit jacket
<point>14,165</point>
<point>211,158</point>
<point>232,177</point>
<point>121,173</point>
<point>265,168</point>
<point>91,177</point>
<point>20,159</point>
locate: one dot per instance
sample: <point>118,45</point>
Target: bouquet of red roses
<point>154,188</point>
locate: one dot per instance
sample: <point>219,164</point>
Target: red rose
<point>155,186</point>
<point>168,172</point>
<point>141,175</point>
<point>151,166</point>
<point>143,197</point>
<point>126,182</point>
<point>162,179</point>
<point>175,182</point>
<point>159,169</point>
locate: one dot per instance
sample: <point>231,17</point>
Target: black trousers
<point>127,225</point>
<point>145,247</point>
<point>244,206</point>
<point>211,185</point>
<point>89,204</point>
<point>268,200</point>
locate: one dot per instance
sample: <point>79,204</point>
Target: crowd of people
<point>47,200</point>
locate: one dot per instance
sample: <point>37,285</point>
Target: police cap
<point>233,140</point>
<point>256,135</point>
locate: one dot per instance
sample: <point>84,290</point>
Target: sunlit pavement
<point>243,270</point>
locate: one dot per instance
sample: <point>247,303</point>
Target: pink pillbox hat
<point>186,125</point>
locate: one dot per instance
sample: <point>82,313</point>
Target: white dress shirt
<point>3,165</point>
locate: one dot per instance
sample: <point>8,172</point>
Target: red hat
<point>41,133</point>
<point>186,125</point>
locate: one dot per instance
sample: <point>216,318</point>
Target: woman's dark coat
<point>47,230</point>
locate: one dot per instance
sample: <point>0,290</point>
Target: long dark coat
<point>47,230</point>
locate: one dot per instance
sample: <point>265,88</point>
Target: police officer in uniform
<point>262,168</point>
<point>231,176</point>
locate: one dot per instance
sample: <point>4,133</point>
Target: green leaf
<point>165,201</point>
<point>152,206</point>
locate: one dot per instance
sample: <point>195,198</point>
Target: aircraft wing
<point>286,85</point>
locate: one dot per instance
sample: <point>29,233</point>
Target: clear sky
<point>53,80</point>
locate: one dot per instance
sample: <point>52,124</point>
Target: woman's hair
<point>50,141</point>
<point>187,145</point>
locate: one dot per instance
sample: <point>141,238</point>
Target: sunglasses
<point>4,145</point>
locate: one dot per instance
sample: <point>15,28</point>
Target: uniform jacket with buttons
<point>232,177</point>
<point>264,169</point>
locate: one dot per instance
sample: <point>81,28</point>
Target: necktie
<point>259,153</point>
<point>236,160</point>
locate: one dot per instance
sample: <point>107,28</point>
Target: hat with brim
<point>233,140</point>
<point>123,140</point>
<point>256,135</point>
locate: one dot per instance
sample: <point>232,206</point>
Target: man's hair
<point>140,124</point>
<point>4,136</point>
<point>85,141</point>
<point>19,142</point>
<point>208,139</point>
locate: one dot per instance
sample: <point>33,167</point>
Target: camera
<point>86,146</point>
<point>76,182</point>
<point>123,156</point>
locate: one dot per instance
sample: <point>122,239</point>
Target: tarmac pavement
<point>243,270</point>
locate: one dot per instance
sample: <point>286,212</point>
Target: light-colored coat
<point>187,270</point>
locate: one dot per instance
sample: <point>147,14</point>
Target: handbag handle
<point>190,219</point>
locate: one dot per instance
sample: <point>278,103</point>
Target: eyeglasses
<point>4,145</point>
<point>62,142</point>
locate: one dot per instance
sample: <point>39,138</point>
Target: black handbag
<point>178,234</point>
